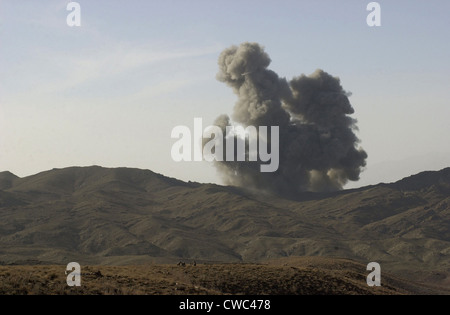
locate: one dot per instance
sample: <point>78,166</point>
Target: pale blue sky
<point>110,92</point>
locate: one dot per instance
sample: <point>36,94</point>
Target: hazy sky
<point>110,91</point>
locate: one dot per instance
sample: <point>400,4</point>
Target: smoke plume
<point>318,149</point>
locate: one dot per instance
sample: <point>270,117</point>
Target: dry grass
<point>268,279</point>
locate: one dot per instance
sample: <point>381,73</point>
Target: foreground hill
<point>96,215</point>
<point>305,276</point>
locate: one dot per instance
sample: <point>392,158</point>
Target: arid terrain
<point>120,217</point>
<point>292,276</point>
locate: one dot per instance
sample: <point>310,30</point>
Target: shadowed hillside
<point>96,215</point>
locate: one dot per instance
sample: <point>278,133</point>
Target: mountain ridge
<point>125,215</point>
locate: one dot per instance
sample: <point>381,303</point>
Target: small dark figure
<point>98,274</point>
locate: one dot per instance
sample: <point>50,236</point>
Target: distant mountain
<point>393,170</point>
<point>6,180</point>
<point>96,215</point>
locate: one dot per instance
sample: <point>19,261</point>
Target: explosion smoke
<point>318,148</point>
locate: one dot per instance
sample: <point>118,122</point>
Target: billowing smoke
<point>318,149</point>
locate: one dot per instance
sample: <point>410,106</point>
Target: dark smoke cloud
<point>318,147</point>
